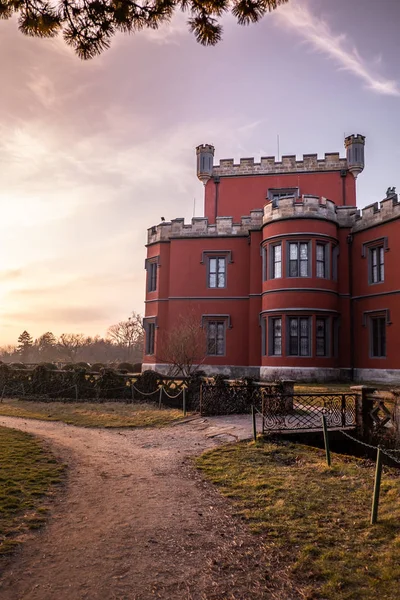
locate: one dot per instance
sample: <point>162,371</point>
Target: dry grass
<point>315,519</point>
<point>88,414</point>
<point>28,472</point>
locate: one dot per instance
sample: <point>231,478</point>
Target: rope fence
<point>132,388</point>
<point>393,454</point>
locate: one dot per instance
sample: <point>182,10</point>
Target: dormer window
<point>275,194</point>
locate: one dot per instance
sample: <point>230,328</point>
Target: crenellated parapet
<point>199,227</point>
<point>268,165</point>
<point>377,213</point>
<point>305,206</point>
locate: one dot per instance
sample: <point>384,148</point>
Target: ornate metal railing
<point>304,411</point>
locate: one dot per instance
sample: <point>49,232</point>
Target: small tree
<point>69,344</point>
<point>184,346</point>
<point>24,347</point>
<point>46,346</point>
<point>129,336</point>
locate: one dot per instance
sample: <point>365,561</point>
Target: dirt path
<point>137,523</point>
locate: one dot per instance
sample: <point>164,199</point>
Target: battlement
<point>377,213</point>
<point>305,206</point>
<point>199,227</point>
<point>268,165</point>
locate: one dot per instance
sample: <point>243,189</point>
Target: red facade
<point>304,287</point>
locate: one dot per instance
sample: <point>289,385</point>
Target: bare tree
<point>70,344</point>
<point>184,346</point>
<point>129,335</point>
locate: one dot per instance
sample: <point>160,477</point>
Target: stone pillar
<point>364,405</point>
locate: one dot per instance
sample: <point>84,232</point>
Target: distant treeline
<point>123,342</point>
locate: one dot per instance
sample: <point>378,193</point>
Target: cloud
<point>318,34</point>
<point>10,274</point>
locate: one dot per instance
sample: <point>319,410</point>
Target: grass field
<point>315,519</point>
<point>87,414</point>
<point>28,472</point>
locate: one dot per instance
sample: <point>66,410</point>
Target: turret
<point>205,159</point>
<point>354,145</point>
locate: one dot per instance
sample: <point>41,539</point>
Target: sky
<point>93,153</point>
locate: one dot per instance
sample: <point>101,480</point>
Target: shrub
<point>81,365</point>
<point>96,367</point>
<point>48,365</point>
<point>137,368</point>
<point>127,367</point>
<point>68,367</point>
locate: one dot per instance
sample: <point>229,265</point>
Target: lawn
<point>90,414</point>
<point>28,473</point>
<point>315,520</point>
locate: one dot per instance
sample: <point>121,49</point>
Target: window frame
<point>275,194</point>
<point>207,255</point>
<point>218,324</point>
<point>152,265</point>
<point>326,337</point>
<point>298,259</point>
<point>379,319</point>
<point>217,273</point>
<point>299,318</point>
<point>379,251</point>
<point>150,326</point>
<point>273,262</point>
<point>272,337</point>
<point>325,261</point>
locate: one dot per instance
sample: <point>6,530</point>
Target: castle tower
<point>205,159</point>
<point>354,145</point>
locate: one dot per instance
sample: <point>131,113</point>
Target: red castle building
<point>305,286</point>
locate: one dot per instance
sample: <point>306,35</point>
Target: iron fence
<point>296,412</point>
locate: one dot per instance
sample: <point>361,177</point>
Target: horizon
<point>93,153</point>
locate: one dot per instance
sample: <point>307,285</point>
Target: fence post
<point>343,410</point>
<point>160,397</point>
<point>377,487</point>
<point>253,417</point>
<point>184,401</point>
<point>263,413</point>
<point>326,441</point>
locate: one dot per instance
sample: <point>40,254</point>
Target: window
<point>151,266</point>
<point>298,259</point>
<point>217,272</point>
<point>322,260</point>
<point>215,338</point>
<point>376,264</point>
<point>276,264</point>
<point>322,337</point>
<point>150,329</point>
<point>275,336</point>
<point>299,336</point>
<point>277,193</point>
<point>378,337</point>
<point>152,275</point>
